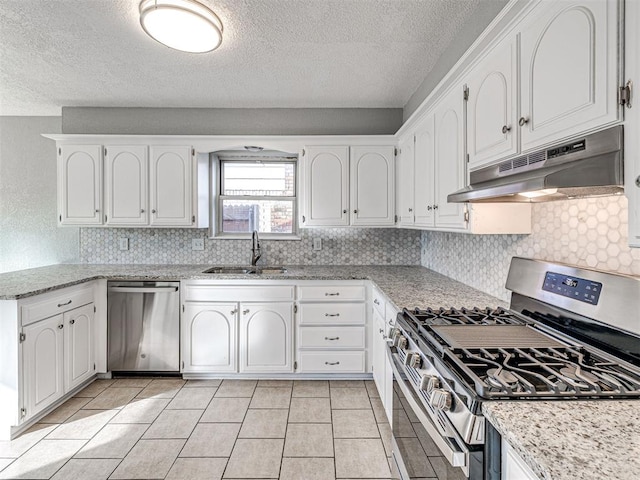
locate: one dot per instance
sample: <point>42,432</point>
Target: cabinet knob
<point>344,211</point>
<point>429,207</point>
<point>142,210</point>
<point>153,211</point>
<point>381,330</point>
<point>523,121</point>
<point>233,312</point>
<point>97,211</point>
<point>435,207</point>
<point>72,321</point>
<point>638,181</point>
<point>376,301</point>
<point>244,312</point>
<point>355,211</point>
<point>411,209</point>
<point>61,326</point>
<point>506,129</point>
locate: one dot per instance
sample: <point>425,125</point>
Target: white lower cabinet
<point>43,360</point>
<point>383,319</point>
<point>265,337</point>
<point>513,466</point>
<point>238,335</point>
<point>58,346</point>
<point>331,330</point>
<point>209,337</point>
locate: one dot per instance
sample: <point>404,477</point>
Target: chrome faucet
<point>255,248</point>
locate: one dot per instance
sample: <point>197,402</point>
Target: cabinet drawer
<point>341,362</point>
<point>378,301</point>
<point>60,301</point>
<point>331,337</point>
<point>223,293</point>
<point>331,293</point>
<point>332,313</point>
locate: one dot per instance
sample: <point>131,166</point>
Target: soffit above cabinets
<point>285,53</point>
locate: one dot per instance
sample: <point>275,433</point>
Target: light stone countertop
<point>405,286</point>
<point>572,440</point>
<point>558,440</point>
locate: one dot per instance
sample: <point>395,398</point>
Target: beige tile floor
<point>145,428</point>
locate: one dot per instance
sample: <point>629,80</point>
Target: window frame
<point>217,185</point>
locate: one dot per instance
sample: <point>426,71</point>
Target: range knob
<point>402,342</point>
<point>440,399</point>
<point>415,360</point>
<point>428,383</point>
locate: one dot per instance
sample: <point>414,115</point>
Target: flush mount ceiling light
<point>184,25</point>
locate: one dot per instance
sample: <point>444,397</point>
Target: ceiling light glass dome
<point>184,25</point>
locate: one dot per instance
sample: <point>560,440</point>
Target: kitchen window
<point>257,194</point>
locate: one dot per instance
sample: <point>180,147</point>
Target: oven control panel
<point>579,289</point>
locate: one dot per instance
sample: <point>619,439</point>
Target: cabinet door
<point>372,183</point>
<point>405,181</point>
<point>424,173</point>
<point>43,361</point>
<point>326,186</point>
<point>78,346</point>
<point>449,159</point>
<point>171,186</point>
<point>209,337</point>
<point>492,123</point>
<point>126,185</point>
<point>568,69</point>
<point>266,337</point>
<point>80,184</point>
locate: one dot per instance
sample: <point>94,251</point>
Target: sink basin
<point>246,270</point>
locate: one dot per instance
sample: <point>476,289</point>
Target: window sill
<point>247,236</point>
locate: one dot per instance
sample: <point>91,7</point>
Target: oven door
<point>420,449</point>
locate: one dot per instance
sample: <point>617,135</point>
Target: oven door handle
<point>458,457</point>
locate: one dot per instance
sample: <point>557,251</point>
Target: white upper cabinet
<point>372,180</point>
<point>405,185</point>
<point>348,186</point>
<point>492,122</point>
<point>449,158</point>
<point>171,185</point>
<point>569,55</point>
<point>126,184</point>
<point>424,173</point>
<point>326,182</point>
<point>80,184</point>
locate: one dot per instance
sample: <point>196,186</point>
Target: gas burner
<point>576,375</point>
<point>498,377</point>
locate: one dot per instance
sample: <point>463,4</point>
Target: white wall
<point>29,236</point>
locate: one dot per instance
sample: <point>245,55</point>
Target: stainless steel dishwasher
<point>143,321</point>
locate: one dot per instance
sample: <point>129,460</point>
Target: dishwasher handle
<point>142,289</point>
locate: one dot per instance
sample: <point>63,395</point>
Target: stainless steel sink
<point>246,270</point>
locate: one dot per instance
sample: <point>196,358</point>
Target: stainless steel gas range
<point>569,334</point>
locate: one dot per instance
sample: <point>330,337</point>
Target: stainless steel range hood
<point>588,166</point>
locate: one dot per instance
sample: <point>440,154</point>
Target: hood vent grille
<point>521,162</point>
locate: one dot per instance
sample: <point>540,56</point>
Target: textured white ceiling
<point>275,53</point>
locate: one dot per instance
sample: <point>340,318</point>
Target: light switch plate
<point>197,244</point>
<point>317,244</point>
<point>124,243</point>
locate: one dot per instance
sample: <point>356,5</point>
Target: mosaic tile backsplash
<point>589,232</point>
<point>340,246</point>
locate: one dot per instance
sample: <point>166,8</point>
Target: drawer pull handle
<point>332,363</point>
<point>63,304</point>
<point>390,322</point>
<point>375,300</point>
<point>332,338</point>
<point>331,314</point>
<point>332,294</point>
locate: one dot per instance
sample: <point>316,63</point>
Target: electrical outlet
<point>124,243</point>
<point>317,244</point>
<point>197,244</point>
